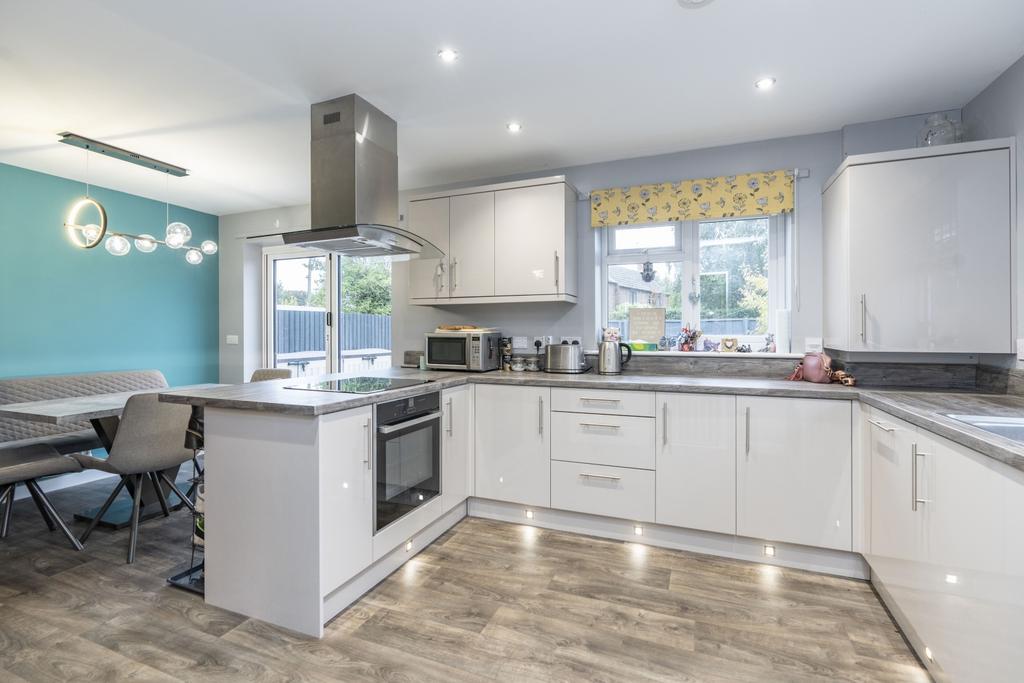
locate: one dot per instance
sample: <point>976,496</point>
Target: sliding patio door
<point>325,312</point>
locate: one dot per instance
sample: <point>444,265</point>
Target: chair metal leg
<point>5,521</point>
<point>133,537</point>
<point>174,487</point>
<point>159,493</point>
<point>103,510</point>
<point>38,494</point>
<point>39,506</point>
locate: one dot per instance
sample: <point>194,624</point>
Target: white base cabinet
<point>696,462</point>
<point>946,549</point>
<point>513,444</point>
<point>456,445</point>
<point>794,470</point>
<point>620,492</point>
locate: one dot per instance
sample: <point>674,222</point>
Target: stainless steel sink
<point>1009,427</point>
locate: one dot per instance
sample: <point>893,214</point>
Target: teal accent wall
<point>64,309</point>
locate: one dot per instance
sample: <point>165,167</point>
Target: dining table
<point>103,412</point>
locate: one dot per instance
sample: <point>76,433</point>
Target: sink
<point>1009,427</point>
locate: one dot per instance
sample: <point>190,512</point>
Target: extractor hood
<point>354,174</point>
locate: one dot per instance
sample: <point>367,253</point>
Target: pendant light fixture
<point>87,236</point>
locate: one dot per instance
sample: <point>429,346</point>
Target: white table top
<point>64,411</point>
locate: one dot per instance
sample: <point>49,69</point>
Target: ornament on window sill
<point>694,295</point>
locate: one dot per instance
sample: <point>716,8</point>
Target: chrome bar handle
<point>585,399</point>
<point>599,424</point>
<point>557,263</point>
<point>608,477</point>
<point>863,318</point>
<point>451,419</point>
<point>664,423</point>
<point>747,432</point>
<point>454,274</point>
<point>882,426</point>
<point>915,501</point>
<point>540,415</point>
<point>367,430</point>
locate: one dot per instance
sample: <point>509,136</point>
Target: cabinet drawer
<point>615,440</point>
<point>598,490</point>
<point>607,402</point>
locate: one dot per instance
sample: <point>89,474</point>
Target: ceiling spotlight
<point>447,55</point>
<point>694,4</point>
<point>766,83</point>
<point>514,126</point>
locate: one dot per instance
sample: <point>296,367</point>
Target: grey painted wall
<point>997,112</point>
<point>820,154</point>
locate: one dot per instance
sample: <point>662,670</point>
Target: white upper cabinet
<point>428,278</point>
<point>794,471</point>
<point>918,251</point>
<point>512,242</point>
<point>536,247</point>
<point>471,262</point>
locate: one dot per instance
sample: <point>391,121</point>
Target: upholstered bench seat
<point>33,462</point>
<point>71,442</point>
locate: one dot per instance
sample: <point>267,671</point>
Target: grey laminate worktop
<point>926,409</point>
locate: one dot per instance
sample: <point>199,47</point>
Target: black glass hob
<point>359,385</point>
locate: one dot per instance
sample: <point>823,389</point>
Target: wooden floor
<point>487,602</point>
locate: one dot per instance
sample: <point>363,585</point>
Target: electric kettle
<point>609,359</point>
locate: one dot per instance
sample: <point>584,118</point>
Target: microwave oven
<point>471,350</point>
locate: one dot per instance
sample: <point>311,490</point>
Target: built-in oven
<point>476,350</point>
<point>408,456</point>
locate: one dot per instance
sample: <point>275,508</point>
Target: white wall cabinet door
<point>794,471</point>
<point>696,461</point>
<point>346,495</point>
<point>471,264</point>
<point>529,223</point>
<point>428,278</point>
<point>513,446</point>
<point>929,238</point>
<point>456,445</point>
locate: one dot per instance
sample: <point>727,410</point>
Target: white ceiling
<point>223,87</point>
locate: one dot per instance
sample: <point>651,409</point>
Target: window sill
<point>712,354</point>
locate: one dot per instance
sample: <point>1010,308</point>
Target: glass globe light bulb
<point>177,234</point>
<point>209,247</point>
<point>194,256</point>
<point>145,243</point>
<point>117,245</point>
<point>91,232</point>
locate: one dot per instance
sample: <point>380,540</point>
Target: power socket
<point>570,340</point>
<point>544,340</point>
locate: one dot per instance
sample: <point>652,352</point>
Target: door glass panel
<point>300,315</point>
<point>364,322</point>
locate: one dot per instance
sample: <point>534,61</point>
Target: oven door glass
<point>447,351</point>
<point>408,470</point>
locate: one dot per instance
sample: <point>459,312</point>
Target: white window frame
<point>270,256</point>
<point>687,253</point>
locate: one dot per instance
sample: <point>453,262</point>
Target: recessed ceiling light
<point>447,55</point>
<point>766,83</point>
<point>694,4</point>
<point>514,126</point>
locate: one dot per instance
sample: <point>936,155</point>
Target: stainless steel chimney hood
<point>354,174</point>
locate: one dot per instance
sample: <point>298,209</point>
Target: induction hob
<point>359,385</point>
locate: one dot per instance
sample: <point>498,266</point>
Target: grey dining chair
<point>149,440</point>
<point>265,374</point>
<point>23,465</point>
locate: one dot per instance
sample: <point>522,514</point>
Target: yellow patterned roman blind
<point>747,194</point>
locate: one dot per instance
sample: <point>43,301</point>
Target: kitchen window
<point>325,312</point>
<point>725,277</point>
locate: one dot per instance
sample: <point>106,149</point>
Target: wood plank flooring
<point>486,602</point>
